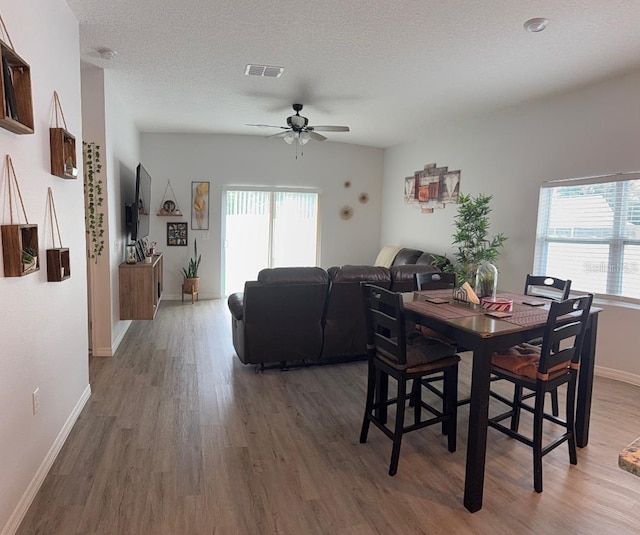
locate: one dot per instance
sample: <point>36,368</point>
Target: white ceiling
<point>389,69</point>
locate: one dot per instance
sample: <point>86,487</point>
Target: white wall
<point>43,332</point>
<point>107,123</point>
<point>589,132</point>
<point>251,160</point>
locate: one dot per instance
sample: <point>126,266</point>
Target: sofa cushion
<point>293,275</point>
<point>374,274</point>
<point>406,256</point>
<point>403,277</point>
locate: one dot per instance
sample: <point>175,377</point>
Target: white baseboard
<point>618,375</point>
<point>25,502</point>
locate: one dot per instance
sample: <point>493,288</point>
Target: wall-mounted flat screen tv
<point>139,212</point>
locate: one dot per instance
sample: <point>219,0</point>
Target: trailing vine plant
<point>94,217</point>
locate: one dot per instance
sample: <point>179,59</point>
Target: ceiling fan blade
<point>328,128</point>
<point>266,126</point>
<point>316,136</point>
<point>279,134</point>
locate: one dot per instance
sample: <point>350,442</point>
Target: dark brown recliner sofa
<point>279,318</point>
<point>308,314</point>
<point>344,325</point>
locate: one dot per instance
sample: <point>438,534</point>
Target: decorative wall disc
<point>346,212</point>
<point>364,198</point>
<point>347,184</point>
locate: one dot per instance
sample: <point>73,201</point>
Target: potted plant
<point>471,237</point>
<point>29,259</point>
<point>191,283</point>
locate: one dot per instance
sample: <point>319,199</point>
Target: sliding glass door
<point>267,228</point>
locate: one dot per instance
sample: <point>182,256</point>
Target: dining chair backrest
<point>545,283</point>
<point>564,335</point>
<point>384,313</point>
<point>436,281</point>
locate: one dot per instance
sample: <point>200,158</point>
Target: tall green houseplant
<point>472,237</point>
<point>191,271</point>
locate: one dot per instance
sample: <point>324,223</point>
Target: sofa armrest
<point>406,256</point>
<point>236,305</point>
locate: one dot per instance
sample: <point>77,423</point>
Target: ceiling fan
<point>299,130</point>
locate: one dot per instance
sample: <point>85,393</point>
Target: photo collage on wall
<point>432,188</point>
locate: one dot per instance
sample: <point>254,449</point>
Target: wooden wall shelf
<point>63,153</point>
<point>58,265</point>
<point>15,239</point>
<point>16,112</point>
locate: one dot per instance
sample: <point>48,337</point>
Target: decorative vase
<point>486,280</point>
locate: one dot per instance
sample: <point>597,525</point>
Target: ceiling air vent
<point>264,70</point>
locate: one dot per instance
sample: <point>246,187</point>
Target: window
<point>589,231</point>
<point>267,228</point>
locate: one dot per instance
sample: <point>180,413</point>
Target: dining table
<point>472,327</point>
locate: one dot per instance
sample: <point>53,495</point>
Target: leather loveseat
<point>307,314</point>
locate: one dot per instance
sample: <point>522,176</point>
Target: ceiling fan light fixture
<point>303,138</point>
<point>289,137</point>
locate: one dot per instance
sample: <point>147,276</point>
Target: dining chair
<point>436,281</point>
<point>392,352</point>
<point>545,283</point>
<point>543,369</point>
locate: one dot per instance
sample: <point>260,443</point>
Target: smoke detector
<point>107,53</point>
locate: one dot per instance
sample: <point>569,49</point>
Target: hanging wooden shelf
<point>19,241</point>
<point>169,207</point>
<point>58,265</point>
<point>58,259</point>
<point>63,145</point>
<point>16,112</point>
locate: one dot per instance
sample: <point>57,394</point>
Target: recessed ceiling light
<point>536,25</point>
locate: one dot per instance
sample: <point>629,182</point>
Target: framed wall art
<point>177,234</point>
<point>200,205</point>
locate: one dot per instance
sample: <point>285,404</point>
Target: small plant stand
<point>191,287</point>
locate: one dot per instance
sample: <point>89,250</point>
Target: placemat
<point>445,311</point>
<point>528,317</point>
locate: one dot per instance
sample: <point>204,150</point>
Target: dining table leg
<point>585,382</point>
<point>478,417</point>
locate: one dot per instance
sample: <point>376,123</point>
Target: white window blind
<point>589,231</point>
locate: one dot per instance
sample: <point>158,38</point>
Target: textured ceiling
<point>390,69</point>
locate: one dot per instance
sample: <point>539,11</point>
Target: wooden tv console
<point>141,288</point>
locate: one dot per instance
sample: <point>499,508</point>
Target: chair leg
<point>372,377</point>
<point>416,400</point>
<point>571,411</point>
<point>397,435</point>
<point>450,406</point>
<point>538,414</point>
<point>554,402</point>
<point>517,401</point>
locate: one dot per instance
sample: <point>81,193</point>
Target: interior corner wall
<point>592,131</point>
<point>43,332</point>
<point>108,124</point>
<point>227,160</point>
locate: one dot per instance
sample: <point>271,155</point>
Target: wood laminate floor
<point>180,438</point>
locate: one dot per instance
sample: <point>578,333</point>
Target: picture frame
<point>200,205</point>
<point>177,234</point>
